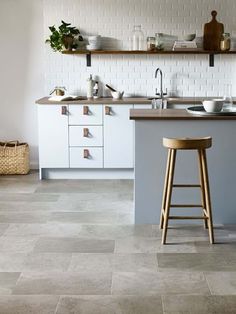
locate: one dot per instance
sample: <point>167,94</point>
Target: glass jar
<point>137,38</point>
<point>151,43</point>
<point>159,41</point>
<point>225,42</point>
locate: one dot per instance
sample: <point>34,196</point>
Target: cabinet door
<point>53,136</point>
<point>118,137</point>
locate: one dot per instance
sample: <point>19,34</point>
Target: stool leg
<point>168,195</point>
<point>207,193</point>
<point>165,190</point>
<point>203,196</point>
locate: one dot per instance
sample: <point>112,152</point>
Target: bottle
<point>96,90</point>
<point>90,84</point>
<point>137,38</point>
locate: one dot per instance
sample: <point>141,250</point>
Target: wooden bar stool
<point>199,144</point>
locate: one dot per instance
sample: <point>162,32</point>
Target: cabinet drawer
<point>85,114</point>
<point>86,157</point>
<point>85,136</point>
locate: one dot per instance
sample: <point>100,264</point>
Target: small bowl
<point>117,95</point>
<point>213,105</point>
<point>189,37</point>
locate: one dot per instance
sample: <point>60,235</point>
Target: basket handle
<point>10,142</point>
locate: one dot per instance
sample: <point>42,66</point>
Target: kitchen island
<point>150,162</point>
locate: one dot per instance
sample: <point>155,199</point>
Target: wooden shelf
<point>88,53</point>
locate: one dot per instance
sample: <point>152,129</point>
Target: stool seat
<point>187,143</point>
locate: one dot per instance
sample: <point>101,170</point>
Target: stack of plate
<point>95,42</point>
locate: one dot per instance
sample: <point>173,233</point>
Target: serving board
<point>199,110</point>
<point>212,34</point>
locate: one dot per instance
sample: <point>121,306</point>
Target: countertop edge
<point>171,114</point>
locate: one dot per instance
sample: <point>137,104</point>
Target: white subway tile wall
<point>189,75</point>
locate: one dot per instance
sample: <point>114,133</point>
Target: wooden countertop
<point>129,100</point>
<point>99,101</point>
<point>171,114</point>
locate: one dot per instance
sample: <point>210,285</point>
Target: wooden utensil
<point>212,34</point>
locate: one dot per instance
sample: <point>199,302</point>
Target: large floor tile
<point>3,228</point>
<point>222,283</point>
<point>12,262</point>
<point>84,217</point>
<point>17,244</point>
<point>38,262</point>
<point>66,245</point>
<point>13,304</point>
<point>24,217</point>
<point>192,262</point>
<point>28,197</point>
<point>110,305</point>
<point>222,245</point>
<point>140,283</point>
<point>199,304</point>
<point>43,262</point>
<point>111,231</point>
<point>44,230</point>
<point>7,282</point>
<point>114,262</point>
<point>137,245</point>
<point>60,283</point>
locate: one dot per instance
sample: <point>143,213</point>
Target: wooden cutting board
<point>212,33</point>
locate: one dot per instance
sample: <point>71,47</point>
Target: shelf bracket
<point>211,59</point>
<point>88,59</point>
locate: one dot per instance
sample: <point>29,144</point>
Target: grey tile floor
<point>70,246</point>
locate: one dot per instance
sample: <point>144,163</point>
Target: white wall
<point>114,19</point>
<point>22,73</point>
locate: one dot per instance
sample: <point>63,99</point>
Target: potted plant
<point>65,37</point>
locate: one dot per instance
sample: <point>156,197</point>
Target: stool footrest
<point>187,217</point>
<point>185,205</point>
<point>186,185</point>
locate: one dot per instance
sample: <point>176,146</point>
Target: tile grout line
<point>162,304</point>
<point>57,304</point>
<point>208,285</point>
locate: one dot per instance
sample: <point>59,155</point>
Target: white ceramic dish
<point>189,37</point>
<point>117,95</point>
<point>213,105</point>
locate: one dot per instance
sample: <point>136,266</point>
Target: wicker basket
<point>14,158</point>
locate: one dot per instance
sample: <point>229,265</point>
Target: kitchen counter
<point>172,114</point>
<point>126,100</point>
<point>150,163</point>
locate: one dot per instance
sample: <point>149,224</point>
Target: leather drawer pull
<point>86,153</point>
<point>86,110</point>
<point>86,132</point>
<point>63,110</point>
<point>107,110</point>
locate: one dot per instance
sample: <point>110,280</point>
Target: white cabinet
<point>118,137</point>
<point>53,136</point>
<point>85,115</point>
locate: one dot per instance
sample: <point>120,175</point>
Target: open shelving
<point>145,52</point>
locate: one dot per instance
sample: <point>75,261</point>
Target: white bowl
<point>189,37</point>
<point>213,105</point>
<point>117,95</point>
